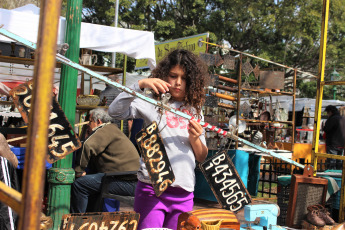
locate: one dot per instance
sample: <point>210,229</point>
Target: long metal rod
<point>262,59</point>
<point>113,55</point>
<point>239,84</point>
<point>333,156</point>
<point>293,111</point>
<point>36,151</point>
<point>318,104</point>
<point>321,74</point>
<point>68,62</point>
<point>333,83</point>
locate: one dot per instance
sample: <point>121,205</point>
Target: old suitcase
<point>229,219</point>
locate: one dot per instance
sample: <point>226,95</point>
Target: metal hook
<point>165,97</point>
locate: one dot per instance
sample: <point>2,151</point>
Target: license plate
<point>155,157</point>
<point>225,182</point>
<point>61,138</point>
<point>101,221</point>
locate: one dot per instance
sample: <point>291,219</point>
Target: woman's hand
<point>195,131</point>
<point>156,84</point>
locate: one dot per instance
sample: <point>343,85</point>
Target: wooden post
<point>60,191</point>
<point>36,151</point>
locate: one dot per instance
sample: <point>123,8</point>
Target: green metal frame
<point>59,194</point>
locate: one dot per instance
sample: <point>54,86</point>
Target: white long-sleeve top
<point>174,134</point>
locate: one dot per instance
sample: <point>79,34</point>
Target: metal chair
<point>107,178</point>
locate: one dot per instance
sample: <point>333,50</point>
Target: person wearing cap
<point>335,135</point>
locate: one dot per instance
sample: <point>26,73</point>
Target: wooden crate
<point>306,190</point>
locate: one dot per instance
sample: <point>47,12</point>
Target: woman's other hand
<point>156,84</point>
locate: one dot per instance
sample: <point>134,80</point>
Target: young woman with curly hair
<point>184,76</point>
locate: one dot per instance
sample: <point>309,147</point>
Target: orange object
<point>224,96</point>
<point>227,79</point>
<point>228,218</point>
<point>192,223</point>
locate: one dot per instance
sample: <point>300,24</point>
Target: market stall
<point>306,190</point>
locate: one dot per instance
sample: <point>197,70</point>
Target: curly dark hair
<point>196,72</point>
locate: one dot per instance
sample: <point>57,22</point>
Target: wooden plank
<point>155,157</point>
<point>61,138</point>
<point>225,182</point>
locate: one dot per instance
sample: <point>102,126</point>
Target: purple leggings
<point>162,211</point>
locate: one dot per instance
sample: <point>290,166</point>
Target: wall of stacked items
<point>244,91</point>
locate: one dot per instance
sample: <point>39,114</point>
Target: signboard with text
<point>192,43</point>
<point>225,182</point>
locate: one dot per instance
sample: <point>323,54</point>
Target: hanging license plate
<point>225,182</point>
<point>61,138</point>
<point>155,157</point>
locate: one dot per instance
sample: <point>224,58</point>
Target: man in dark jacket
<point>107,149</point>
<point>335,135</point>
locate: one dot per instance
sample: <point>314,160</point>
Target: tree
<point>285,31</point>
<point>10,4</point>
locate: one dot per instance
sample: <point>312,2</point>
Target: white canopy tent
<point>137,44</point>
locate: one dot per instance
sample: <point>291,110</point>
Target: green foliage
<point>309,89</point>
<point>284,31</point>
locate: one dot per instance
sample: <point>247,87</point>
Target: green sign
<point>192,43</point>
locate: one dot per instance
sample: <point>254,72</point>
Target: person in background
<point>108,95</point>
<point>106,150</point>
<point>184,76</point>
<point>334,129</point>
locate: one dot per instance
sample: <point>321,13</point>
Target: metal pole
<point>113,56</point>
<point>60,190</point>
<point>293,111</point>
<point>36,151</point>
<point>321,76</point>
<point>239,84</point>
<point>124,84</point>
